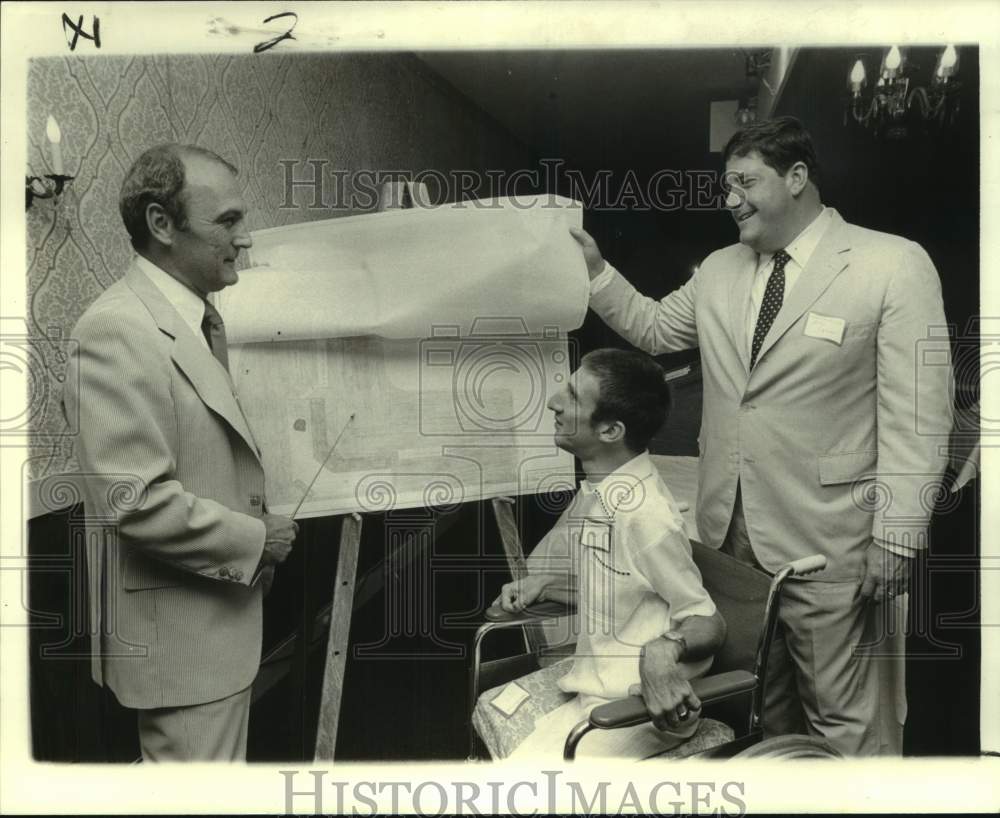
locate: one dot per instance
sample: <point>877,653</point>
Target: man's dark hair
<point>157,177</point>
<point>633,390</point>
<point>781,142</point>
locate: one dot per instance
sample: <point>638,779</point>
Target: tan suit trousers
<point>214,731</point>
<point>836,668</point>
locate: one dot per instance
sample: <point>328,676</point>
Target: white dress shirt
<point>799,250</point>
<point>186,301</point>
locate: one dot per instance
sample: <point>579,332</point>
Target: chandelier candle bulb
<point>947,65</point>
<point>857,77</point>
<point>893,61</point>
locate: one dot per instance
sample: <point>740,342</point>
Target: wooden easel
<point>337,639</point>
<point>337,644</point>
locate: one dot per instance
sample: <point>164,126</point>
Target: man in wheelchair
<point>621,553</point>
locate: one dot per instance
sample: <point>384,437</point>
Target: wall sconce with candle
<point>34,186</point>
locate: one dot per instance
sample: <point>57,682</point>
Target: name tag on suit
<point>825,327</point>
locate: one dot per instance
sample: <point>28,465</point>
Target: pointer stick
<point>322,466</point>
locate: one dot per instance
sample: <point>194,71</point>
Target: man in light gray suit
<point>821,427</point>
<point>180,547</point>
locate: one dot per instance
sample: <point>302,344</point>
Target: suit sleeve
<point>653,326</point>
<point>128,436</point>
<point>914,403</point>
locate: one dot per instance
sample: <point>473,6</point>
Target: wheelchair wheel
<point>791,746</point>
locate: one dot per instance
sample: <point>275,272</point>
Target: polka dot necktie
<point>214,330</point>
<point>774,293</point>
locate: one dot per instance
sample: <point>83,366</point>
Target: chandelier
<point>886,104</point>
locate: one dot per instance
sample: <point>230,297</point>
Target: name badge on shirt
<point>826,327</point>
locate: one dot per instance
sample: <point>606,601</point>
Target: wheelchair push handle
<point>807,565</point>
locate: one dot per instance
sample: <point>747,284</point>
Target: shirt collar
<point>801,248</point>
<point>618,489</point>
<point>186,301</point>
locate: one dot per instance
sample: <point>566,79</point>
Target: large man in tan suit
<point>821,427</point>
<point>180,548</point>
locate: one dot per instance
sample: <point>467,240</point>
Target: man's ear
<point>797,178</point>
<point>613,432</point>
<point>161,226</point>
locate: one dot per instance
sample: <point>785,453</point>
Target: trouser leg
<point>213,731</point>
<point>838,681</point>
<point>837,665</point>
<point>885,641</point>
<point>782,710</point>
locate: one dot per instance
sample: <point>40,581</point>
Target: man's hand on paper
<point>591,252</point>
<point>668,696</point>
<point>517,595</point>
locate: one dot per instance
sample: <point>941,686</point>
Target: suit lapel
<point>739,299</point>
<point>208,377</point>
<point>828,260</point>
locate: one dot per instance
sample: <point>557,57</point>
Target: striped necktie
<point>774,294</point>
<point>214,331</point>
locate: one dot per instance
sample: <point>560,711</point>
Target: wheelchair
<point>732,693</point>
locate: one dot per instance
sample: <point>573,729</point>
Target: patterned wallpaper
<point>359,111</point>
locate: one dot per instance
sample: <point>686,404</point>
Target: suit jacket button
<point>255,499</point>
<point>237,575</point>
<point>223,571</point>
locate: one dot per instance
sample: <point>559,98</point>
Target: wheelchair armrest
<point>631,711</point>
<point>533,613</point>
<point>807,565</point>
